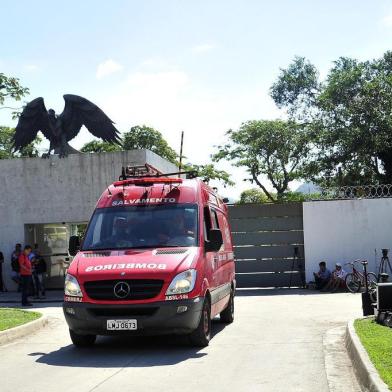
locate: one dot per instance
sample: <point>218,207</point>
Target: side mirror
<point>74,245</point>
<point>215,241</point>
<point>225,200</point>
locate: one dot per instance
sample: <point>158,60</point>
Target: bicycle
<point>355,280</point>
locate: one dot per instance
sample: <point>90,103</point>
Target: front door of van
<point>211,258</point>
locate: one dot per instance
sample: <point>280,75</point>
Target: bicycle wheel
<point>372,281</point>
<point>373,295</point>
<point>353,283</point>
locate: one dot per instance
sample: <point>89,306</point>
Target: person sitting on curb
<point>338,279</point>
<point>323,276</point>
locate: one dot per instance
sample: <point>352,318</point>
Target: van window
<point>147,226</point>
<point>207,223</point>
<point>215,221</point>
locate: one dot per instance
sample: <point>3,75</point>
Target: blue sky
<point>198,66</point>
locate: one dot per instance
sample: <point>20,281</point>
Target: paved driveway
<point>275,344</point>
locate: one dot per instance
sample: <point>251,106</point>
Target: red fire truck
<point>157,258</point>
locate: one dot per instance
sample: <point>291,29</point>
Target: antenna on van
<point>182,143</point>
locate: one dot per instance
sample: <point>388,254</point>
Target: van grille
<point>123,312</point>
<point>139,289</point>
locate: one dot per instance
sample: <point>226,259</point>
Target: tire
<point>373,295</point>
<point>227,315</point>
<point>372,280</point>
<point>201,336</point>
<point>353,284</point>
<point>82,340</point>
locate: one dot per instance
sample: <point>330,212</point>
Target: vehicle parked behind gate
<point>157,258</point>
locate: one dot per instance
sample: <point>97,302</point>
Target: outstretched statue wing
<point>34,118</point>
<point>79,111</point>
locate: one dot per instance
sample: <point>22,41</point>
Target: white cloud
<point>387,20</point>
<point>108,67</point>
<point>173,101</point>
<point>202,48</point>
<point>31,67</point>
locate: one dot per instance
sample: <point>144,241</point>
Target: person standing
<point>2,286</point>
<point>25,274</point>
<point>15,276</point>
<point>39,270</point>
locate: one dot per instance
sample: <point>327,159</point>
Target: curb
<point>9,335</point>
<point>366,373</point>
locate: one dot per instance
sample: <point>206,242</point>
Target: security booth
<point>52,240</point>
<point>45,201</point>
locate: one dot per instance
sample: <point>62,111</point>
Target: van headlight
<point>71,286</point>
<point>182,283</point>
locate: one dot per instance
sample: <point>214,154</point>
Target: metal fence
<point>353,192</point>
<point>268,244</point>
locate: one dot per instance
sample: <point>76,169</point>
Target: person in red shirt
<point>25,274</point>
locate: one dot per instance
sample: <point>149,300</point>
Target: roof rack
<point>148,171</point>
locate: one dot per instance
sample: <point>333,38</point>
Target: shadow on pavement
<point>264,292</point>
<point>120,351</point>
<point>36,305</point>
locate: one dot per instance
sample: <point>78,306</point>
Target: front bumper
<point>153,318</point>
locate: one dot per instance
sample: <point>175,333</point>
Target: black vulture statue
<point>60,129</point>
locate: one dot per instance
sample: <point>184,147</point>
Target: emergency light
<point>148,181</point>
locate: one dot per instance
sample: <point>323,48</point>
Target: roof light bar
<point>144,181</point>
<point>148,171</point>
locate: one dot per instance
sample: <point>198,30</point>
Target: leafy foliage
<point>11,88</point>
<point>253,195</point>
<point>297,86</point>
<point>349,114</point>
<point>100,146</point>
<point>143,137</point>
<point>6,151</point>
<point>276,150</point>
<point>208,172</point>
<point>149,138</point>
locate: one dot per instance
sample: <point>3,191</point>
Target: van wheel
<point>82,340</point>
<point>201,336</point>
<point>227,315</point>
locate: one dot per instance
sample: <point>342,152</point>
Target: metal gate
<point>268,244</point>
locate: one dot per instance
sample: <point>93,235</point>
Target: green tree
<point>350,115</point>
<point>297,88</point>
<point>100,146</point>
<point>208,172</point>
<point>139,137</point>
<point>11,89</point>
<point>6,151</point>
<point>143,137</point>
<point>253,195</point>
<point>274,151</point>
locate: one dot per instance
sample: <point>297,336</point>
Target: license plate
<point>121,325</point>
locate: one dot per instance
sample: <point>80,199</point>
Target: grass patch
<point>10,318</point>
<point>377,339</point>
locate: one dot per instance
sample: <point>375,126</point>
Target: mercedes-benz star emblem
<point>121,290</point>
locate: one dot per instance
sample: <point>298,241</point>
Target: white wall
<point>345,230</point>
<point>36,190</point>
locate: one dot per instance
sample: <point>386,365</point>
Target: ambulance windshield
<point>147,226</point>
